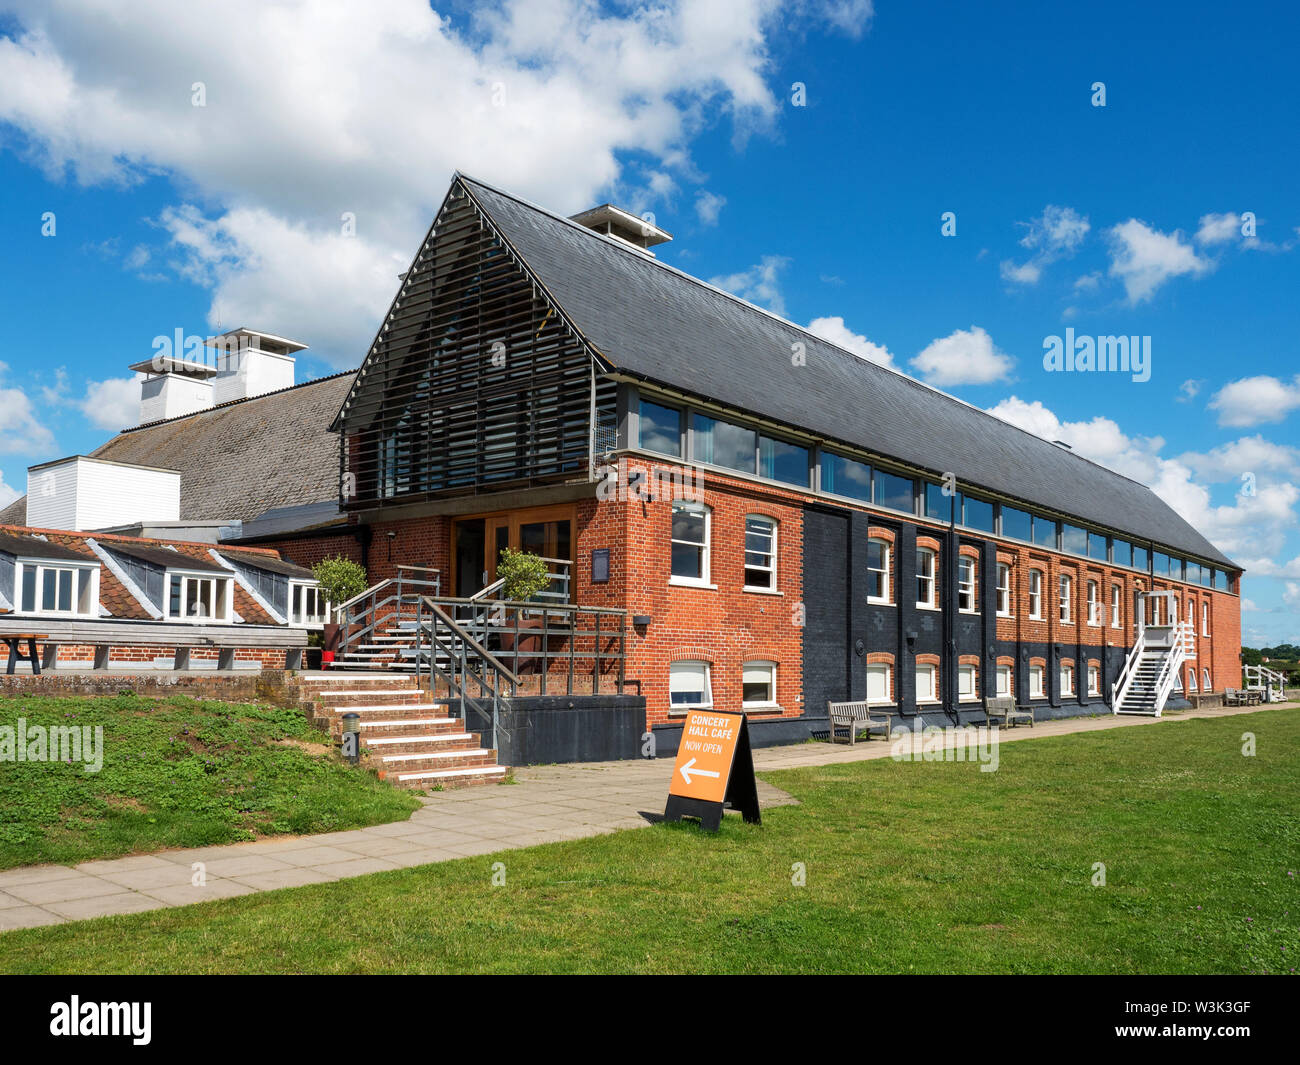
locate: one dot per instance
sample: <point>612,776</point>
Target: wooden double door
<point>477,542</point>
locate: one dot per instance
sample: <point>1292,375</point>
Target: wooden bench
<point>858,717</point>
<point>14,639</point>
<point>1236,697</point>
<point>1002,709</point>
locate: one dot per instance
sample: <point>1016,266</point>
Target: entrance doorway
<point>477,543</point>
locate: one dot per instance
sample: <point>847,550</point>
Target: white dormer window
<point>200,596</point>
<point>307,606</point>
<point>57,588</point>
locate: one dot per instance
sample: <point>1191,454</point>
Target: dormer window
<point>307,606</point>
<point>199,597</point>
<point>67,589</point>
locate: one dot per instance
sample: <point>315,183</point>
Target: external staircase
<point>1270,684</point>
<point>409,738</point>
<point>1153,669</point>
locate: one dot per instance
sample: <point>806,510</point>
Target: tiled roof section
<point>261,560</point>
<point>163,557</point>
<point>243,458</point>
<point>18,544</point>
<point>115,597</point>
<point>657,323</point>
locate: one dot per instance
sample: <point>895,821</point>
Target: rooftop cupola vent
<point>623,225</point>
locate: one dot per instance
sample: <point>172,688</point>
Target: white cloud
<point>1246,455</point>
<point>759,284</point>
<point>1256,400</point>
<point>7,494</point>
<point>1055,234</point>
<point>708,206</point>
<point>964,357</point>
<point>316,109</point>
<point>834,330</point>
<point>1291,595</point>
<point>1252,530</point>
<point>113,404</point>
<point>1144,258</point>
<point>21,430</point>
<point>1189,390</point>
<point>1219,228</point>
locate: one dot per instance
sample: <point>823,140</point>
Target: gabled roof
<point>653,322</point>
<point>162,557</point>
<point>240,459</point>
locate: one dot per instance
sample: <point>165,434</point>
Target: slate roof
<point>162,556</point>
<point>26,546</point>
<point>649,320</point>
<point>259,560</point>
<point>242,458</point>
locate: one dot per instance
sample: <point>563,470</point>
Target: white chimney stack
<point>250,363</point>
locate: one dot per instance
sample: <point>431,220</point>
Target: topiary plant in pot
<point>340,579</point>
<point>523,576</point>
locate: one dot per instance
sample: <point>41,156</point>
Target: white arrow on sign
<point>686,771</point>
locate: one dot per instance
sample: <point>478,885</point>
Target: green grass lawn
<point>910,868</point>
<point>178,773</point>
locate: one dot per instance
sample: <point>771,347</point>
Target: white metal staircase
<point>1268,682</point>
<point>1154,666</point>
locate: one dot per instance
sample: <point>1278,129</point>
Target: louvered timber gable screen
<point>475,380</point>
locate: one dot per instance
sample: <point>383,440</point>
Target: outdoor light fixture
<point>641,620</point>
<point>352,738</point>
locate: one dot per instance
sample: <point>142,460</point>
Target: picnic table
<point>14,639</point>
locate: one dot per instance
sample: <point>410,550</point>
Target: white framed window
<point>880,683</point>
<point>758,684</point>
<point>1116,595</point>
<point>1004,680</point>
<point>1036,594</point>
<point>760,553</point>
<point>1067,680</point>
<point>307,606</point>
<point>1094,680</point>
<point>199,597</point>
<point>879,556</point>
<point>1067,594</point>
<point>1036,677</point>
<point>688,686</point>
<point>1094,603</point>
<point>1004,590</point>
<point>966,690</point>
<point>691,531</point>
<point>1205,618</point>
<point>925,582</point>
<point>1205,681</point>
<point>46,586</point>
<point>1191,680</point>
<point>966,572</point>
<point>927,684</point>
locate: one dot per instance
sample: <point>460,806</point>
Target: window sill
<point>1008,617</point>
<point>766,708</point>
<point>926,606</point>
<point>761,591</point>
<point>879,602</point>
<point>684,710</point>
<point>682,582</point>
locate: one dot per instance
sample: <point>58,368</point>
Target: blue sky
<point>1131,219</point>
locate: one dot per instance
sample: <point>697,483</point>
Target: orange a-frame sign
<point>714,770</point>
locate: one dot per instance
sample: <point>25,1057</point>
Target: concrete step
<point>420,742</point>
<point>449,778</point>
<point>465,758</point>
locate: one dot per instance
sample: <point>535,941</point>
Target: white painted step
<point>462,753</point>
<point>403,724</point>
<point>440,737</point>
<point>446,774</point>
<point>391,706</point>
<point>342,693</point>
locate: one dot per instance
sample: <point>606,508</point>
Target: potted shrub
<point>523,576</point>
<point>340,579</point>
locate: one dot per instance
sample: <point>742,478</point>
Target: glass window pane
<point>84,603</point>
<point>29,588</point>
<point>1044,532</point>
<point>1017,524</point>
<point>895,492</point>
<point>1140,558</point>
<point>878,684</point>
<point>49,589</point>
<point>174,597</point>
<point>688,561</point>
<point>782,461</point>
<point>661,428</point>
<point>1161,563</point>
<point>1074,539</point>
<point>938,505</point>
<point>1122,552</point>
<point>1097,546</point>
<point>724,444</point>
<point>688,684</point>
<point>65,590</point>
<point>1193,573</point>
<point>977,513</point>
<point>845,477</point>
<point>688,524</point>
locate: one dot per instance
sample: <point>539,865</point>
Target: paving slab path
<point>545,805</point>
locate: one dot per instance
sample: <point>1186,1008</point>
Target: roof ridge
<point>230,403</point>
<point>655,261</point>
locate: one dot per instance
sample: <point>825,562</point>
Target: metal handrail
<point>1122,683</point>
<point>478,648</point>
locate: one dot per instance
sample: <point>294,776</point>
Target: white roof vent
<point>623,225</point>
